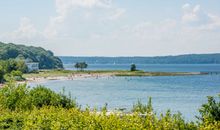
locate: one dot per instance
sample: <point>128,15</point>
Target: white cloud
<point>64,7</point>
<point>191,14</point>
<point>98,26</point>
<point>26,32</point>
<point>117,14</point>
<point>196,18</point>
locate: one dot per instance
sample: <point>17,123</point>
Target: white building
<point>33,66</point>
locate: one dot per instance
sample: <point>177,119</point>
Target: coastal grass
<point>66,73</point>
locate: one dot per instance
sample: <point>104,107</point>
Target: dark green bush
<point>22,97</point>
<point>41,96</point>
<point>210,111</point>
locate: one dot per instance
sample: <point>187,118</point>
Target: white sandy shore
<point>79,76</point>
<point>69,77</point>
<point>74,77</point>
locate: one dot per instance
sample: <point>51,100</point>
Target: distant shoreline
<point>210,58</point>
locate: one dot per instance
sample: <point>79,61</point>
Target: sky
<point>113,27</point>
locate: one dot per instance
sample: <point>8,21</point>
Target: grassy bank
<point>66,73</point>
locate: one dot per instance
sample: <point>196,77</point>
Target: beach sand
<point>69,77</point>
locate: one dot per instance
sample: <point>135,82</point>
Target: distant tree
<point>76,65</point>
<point>133,67</point>
<point>81,65</point>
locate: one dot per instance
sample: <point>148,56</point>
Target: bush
<point>210,111</point>
<point>51,117</point>
<point>13,97</point>
<point>22,97</point>
<point>141,108</point>
<point>12,70</point>
<point>41,96</point>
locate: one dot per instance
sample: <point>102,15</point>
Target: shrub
<point>13,96</point>
<point>210,111</point>
<point>41,96</point>
<point>50,117</point>
<point>12,70</point>
<point>141,108</point>
<point>22,97</point>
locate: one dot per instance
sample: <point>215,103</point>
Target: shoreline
<point>69,77</point>
<point>49,75</point>
<point>72,75</point>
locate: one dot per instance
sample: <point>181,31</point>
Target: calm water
<point>153,67</point>
<point>180,93</point>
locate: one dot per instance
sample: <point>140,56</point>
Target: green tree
<point>1,74</point>
<point>81,65</point>
<point>133,67</point>
<point>12,70</point>
<point>211,110</point>
<point>77,66</point>
<point>21,66</point>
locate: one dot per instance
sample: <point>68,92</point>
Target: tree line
<point>45,58</point>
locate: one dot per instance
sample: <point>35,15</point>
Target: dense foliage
<point>210,111</point>
<point>41,108</point>
<point>46,59</point>
<point>181,59</point>
<point>12,70</point>
<point>21,97</point>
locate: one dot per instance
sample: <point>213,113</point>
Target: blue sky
<point>113,27</point>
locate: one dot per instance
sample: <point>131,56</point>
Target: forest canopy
<point>45,58</point>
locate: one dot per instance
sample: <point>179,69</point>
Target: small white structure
<point>32,66</point>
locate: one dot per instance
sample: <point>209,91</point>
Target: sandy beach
<point>68,77</point>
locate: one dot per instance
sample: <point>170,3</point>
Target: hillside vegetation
<point>46,58</point>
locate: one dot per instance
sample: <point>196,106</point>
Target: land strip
<point>70,74</point>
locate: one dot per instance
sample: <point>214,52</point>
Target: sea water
<point>185,94</point>
<point>153,67</point>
